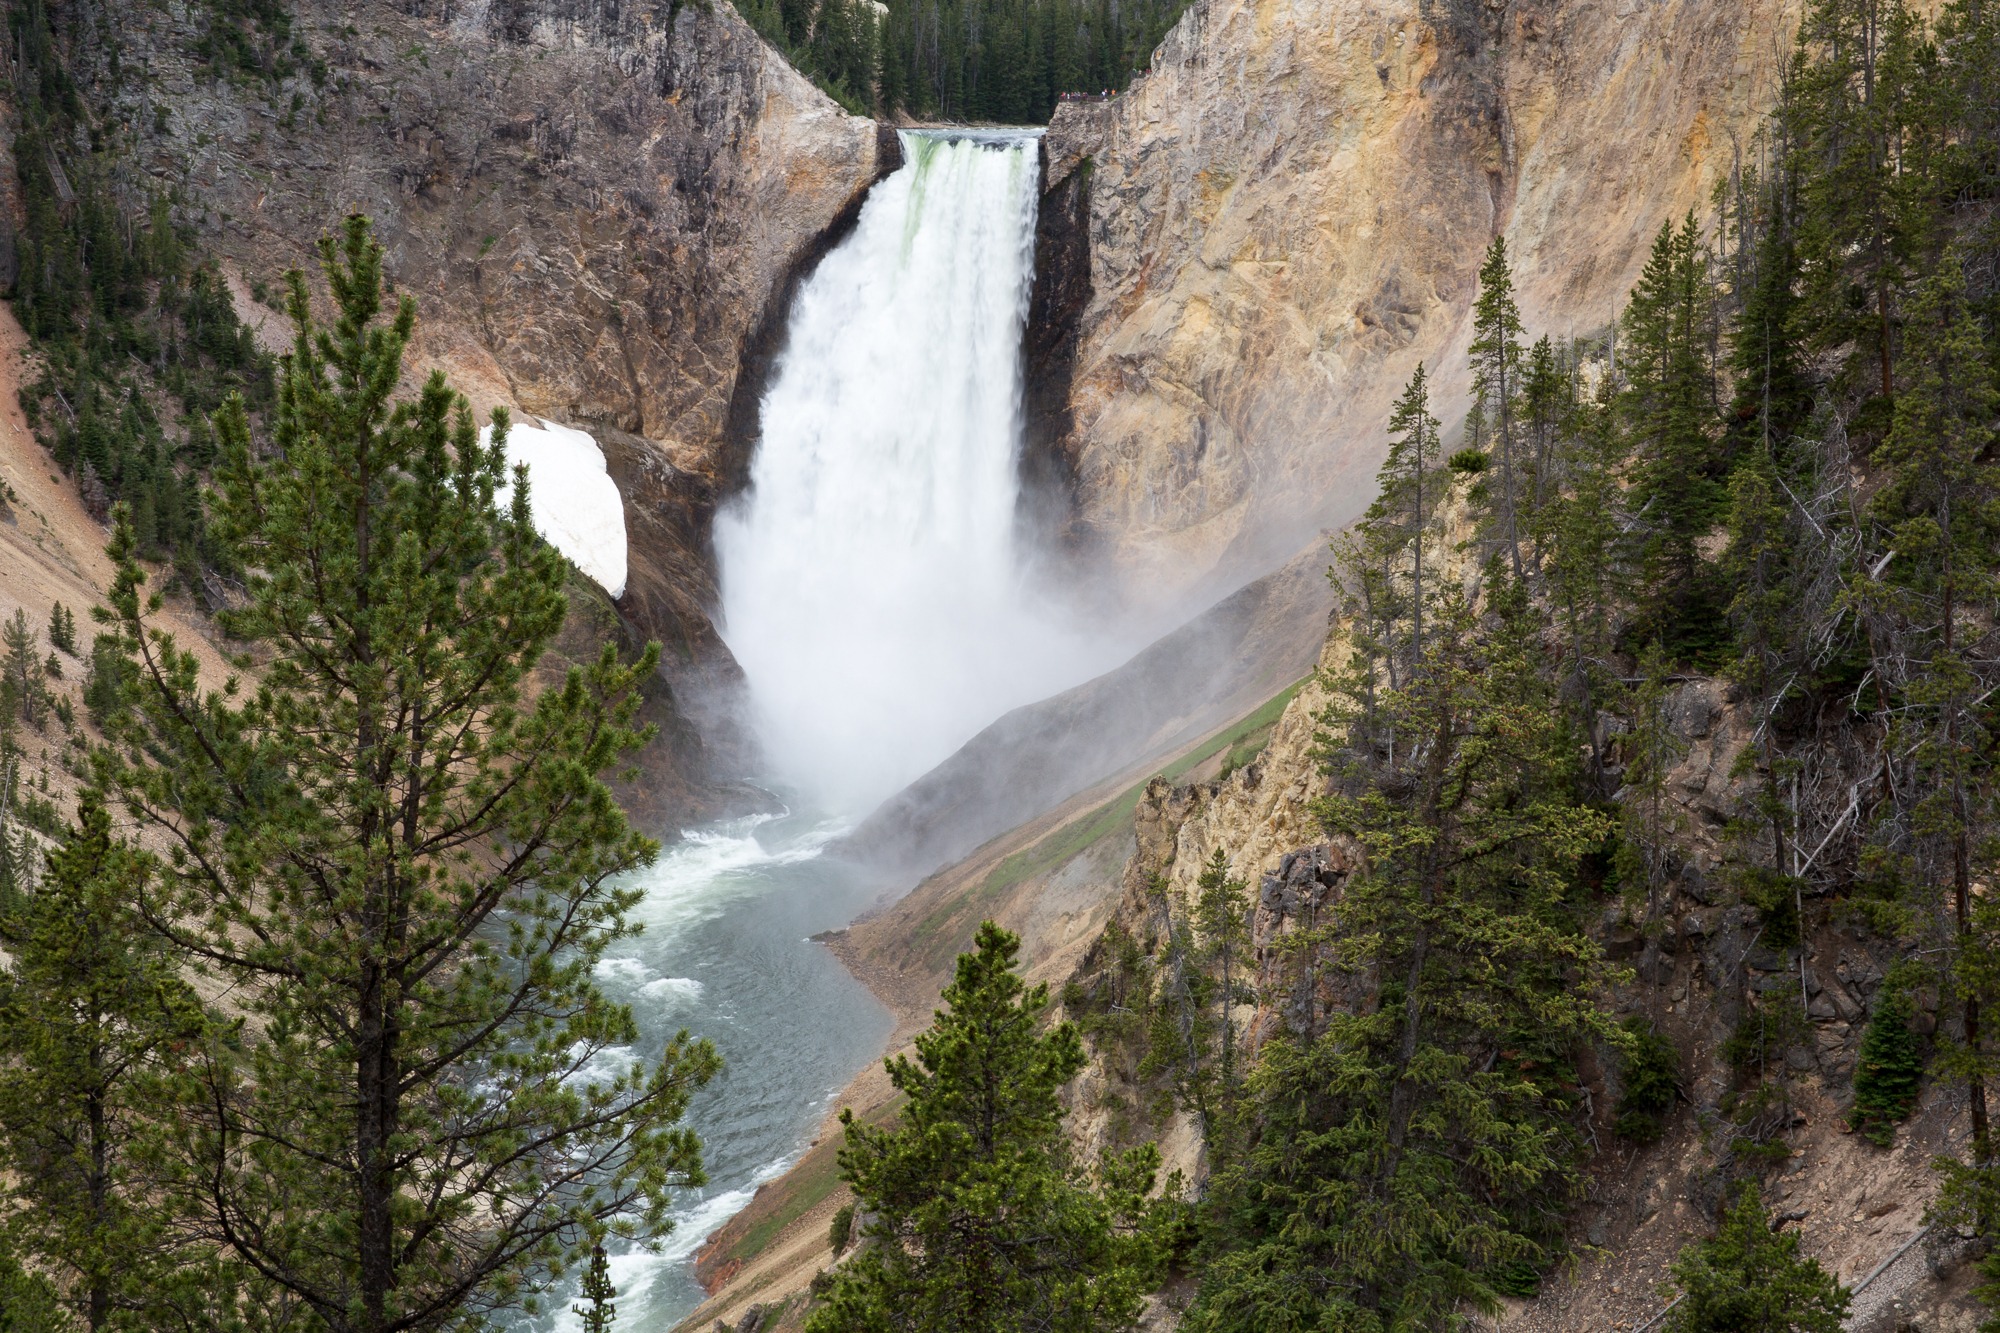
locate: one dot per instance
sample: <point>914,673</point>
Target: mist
<point>872,586</point>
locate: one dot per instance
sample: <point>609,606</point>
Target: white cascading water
<point>871,588</point>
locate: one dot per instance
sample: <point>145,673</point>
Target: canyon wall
<point>1288,211</point>
<point>599,207</point>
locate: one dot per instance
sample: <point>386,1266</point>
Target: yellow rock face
<point>1287,213</point>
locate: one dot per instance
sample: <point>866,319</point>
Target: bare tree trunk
<point>1961,880</point>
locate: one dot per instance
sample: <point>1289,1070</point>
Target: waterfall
<point>871,586</point>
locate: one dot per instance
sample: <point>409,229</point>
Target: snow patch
<point>575,504</point>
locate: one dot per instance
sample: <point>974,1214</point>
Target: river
<point>725,953</point>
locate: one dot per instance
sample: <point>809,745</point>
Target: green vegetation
<point>249,39</point>
<point>1114,816</point>
<point>802,1189</point>
<point>1111,1007</point>
<point>1221,915</point>
<point>91,1014</point>
<point>1651,1078</point>
<point>395,609</point>
<point>1064,845</point>
<point>62,629</point>
<point>1245,752</point>
<point>1748,1278</point>
<point>805,1190</point>
<point>1412,1157</point>
<point>995,61</point>
<point>1009,60</point>
<point>138,339</point>
<point>28,1303</point>
<point>1109,820</point>
<point>1779,467</point>
<point>400,1119</point>
<point>978,1217</point>
<point>1667,409</point>
<point>1496,370</point>
<point>598,1311</point>
<point>1890,1070</point>
<point>23,674</point>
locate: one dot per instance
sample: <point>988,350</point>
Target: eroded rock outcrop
<point>1287,213</point>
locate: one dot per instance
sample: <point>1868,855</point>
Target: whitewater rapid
<point>872,588</point>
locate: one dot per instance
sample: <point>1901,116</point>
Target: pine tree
<point>1182,1031</point>
<point>1545,404</point>
<point>1367,563</point>
<point>1416,1149</point>
<point>1668,408</point>
<point>1222,920</point>
<point>1756,566</point>
<point>1580,548</point>
<point>1379,564</point>
<point>1890,1068</point>
<point>978,1217</point>
<point>599,1314</point>
<point>399,858</point>
<point>1847,125</point>
<point>1968,34</point>
<point>1651,1069</point>
<point>1650,818</point>
<point>16,855</point>
<point>93,1014</point>
<point>62,629</point>
<point>28,1304</point>
<point>1413,451</point>
<point>1773,396</point>
<point>1496,371</point>
<point>23,693</point>
<point>107,679</point>
<point>840,1231</point>
<point>796,16</point>
<point>1748,1278</point>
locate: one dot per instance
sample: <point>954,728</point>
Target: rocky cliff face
<point>597,205</point>
<point>1287,213</point>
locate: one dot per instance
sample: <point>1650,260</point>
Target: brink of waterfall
<point>872,588</point>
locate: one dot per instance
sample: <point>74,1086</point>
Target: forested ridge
<point>1004,62</point>
<point>138,340</point>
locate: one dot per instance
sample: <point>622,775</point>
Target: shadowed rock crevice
<point>1055,314</point>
